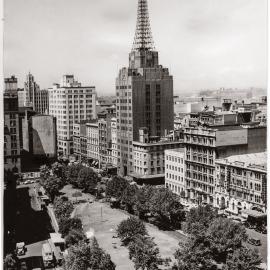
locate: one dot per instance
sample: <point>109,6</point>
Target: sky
<point>206,44</point>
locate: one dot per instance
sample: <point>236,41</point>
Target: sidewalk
<point>53,218</point>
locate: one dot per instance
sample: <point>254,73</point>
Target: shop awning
<point>253,213</point>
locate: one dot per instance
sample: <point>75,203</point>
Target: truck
<point>47,255</point>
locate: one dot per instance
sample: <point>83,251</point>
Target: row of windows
<point>174,159</point>
<point>174,177</point>
<point>174,168</point>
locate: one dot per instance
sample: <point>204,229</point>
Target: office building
<point>144,93</point>
<point>70,103</point>
<point>12,139</point>
<point>241,183</point>
<point>33,97</point>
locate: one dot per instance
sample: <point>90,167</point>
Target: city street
<point>32,225</point>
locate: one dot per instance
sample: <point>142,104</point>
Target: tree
<point>52,186</point>
<point>88,256</point>
<point>199,218</point>
<point>145,253</point>
<point>44,172</point>
<point>72,172</point>
<point>87,179</point>
<point>130,228</point>
<point>66,225</point>
<point>166,208</point>
<point>129,197</point>
<point>63,208</point>
<point>59,169</point>
<point>74,237</point>
<point>11,262</point>
<point>243,259</point>
<point>143,197</point>
<point>116,187</point>
<point>194,255</point>
<point>224,236</point>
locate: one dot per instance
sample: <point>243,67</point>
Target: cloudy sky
<point>205,43</point>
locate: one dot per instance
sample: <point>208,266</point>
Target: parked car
<point>254,241</point>
<point>27,182</point>
<point>33,181</point>
<point>20,249</point>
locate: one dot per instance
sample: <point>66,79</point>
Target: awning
<point>253,213</point>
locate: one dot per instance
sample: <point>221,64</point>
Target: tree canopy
<point>145,253</point>
<point>130,228</point>
<point>243,259</point>
<point>62,208</point>
<point>224,236</point>
<point>74,236</point>
<point>87,179</point>
<point>88,256</point>
<point>66,225</point>
<point>52,186</point>
<point>115,187</point>
<point>199,217</point>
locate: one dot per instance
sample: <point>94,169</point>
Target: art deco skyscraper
<point>144,93</point>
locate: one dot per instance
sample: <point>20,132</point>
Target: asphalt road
<point>33,225</point>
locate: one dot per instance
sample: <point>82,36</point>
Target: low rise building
<point>149,157</point>
<point>175,171</point>
<point>241,183</point>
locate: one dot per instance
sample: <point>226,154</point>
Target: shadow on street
<point>31,226</point>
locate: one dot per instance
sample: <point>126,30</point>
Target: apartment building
<point>241,183</point>
<point>175,171</point>
<point>70,103</point>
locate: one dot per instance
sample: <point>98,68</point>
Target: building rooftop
<point>255,160</point>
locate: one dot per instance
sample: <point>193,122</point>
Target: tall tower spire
<point>143,36</point>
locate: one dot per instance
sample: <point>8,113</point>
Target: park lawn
<point>104,220</point>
